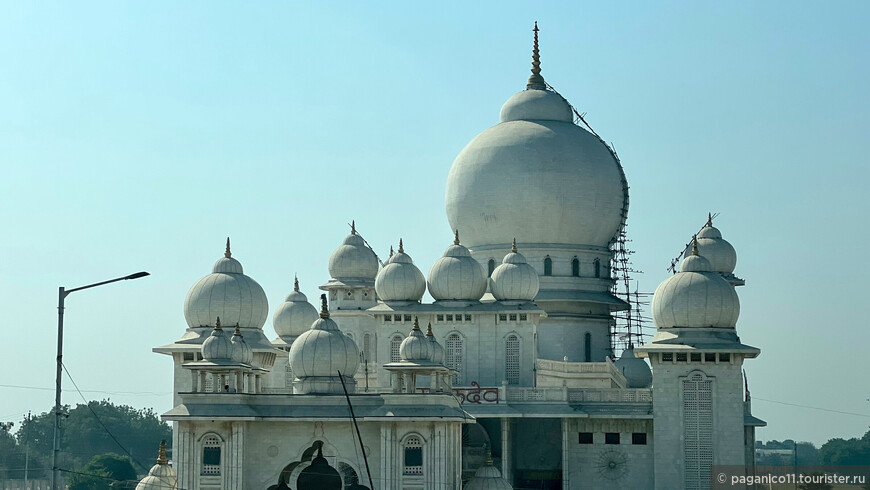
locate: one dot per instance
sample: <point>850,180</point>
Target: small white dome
<point>457,276</point>
<point>415,347</point>
<point>716,249</point>
<point>400,279</point>
<point>488,477</point>
<point>437,349</point>
<point>217,347</point>
<point>514,279</point>
<point>227,293</point>
<point>536,105</point>
<point>324,350</point>
<point>242,352</point>
<point>695,297</point>
<point>295,315</point>
<point>636,371</point>
<point>161,476</point>
<point>353,259</point>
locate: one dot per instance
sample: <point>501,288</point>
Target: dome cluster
<point>697,296</point>
<point>514,279</point>
<point>226,293</point>
<point>420,348</point>
<point>714,248</point>
<point>400,280</point>
<point>353,260</point>
<point>457,276</point>
<point>295,315</point>
<point>219,348</point>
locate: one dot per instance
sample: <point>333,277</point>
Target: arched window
<point>548,266</point>
<point>395,343</point>
<point>490,267</point>
<point>512,359</point>
<point>596,264</point>
<point>367,348</point>
<point>453,356</point>
<point>587,349</point>
<point>211,456</point>
<point>575,267</point>
<point>697,430</point>
<point>413,457</point>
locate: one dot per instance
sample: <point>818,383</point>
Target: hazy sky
<point>139,135</point>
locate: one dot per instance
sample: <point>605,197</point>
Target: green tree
<point>103,472</point>
<point>846,451</point>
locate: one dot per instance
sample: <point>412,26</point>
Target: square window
<point>513,317</point>
<point>681,357</point>
<point>523,317</point>
<point>211,456</point>
<point>188,356</point>
<point>388,318</point>
<point>696,357</point>
<point>439,318</point>
<point>407,318</point>
<point>397,318</point>
<point>611,438</point>
<point>585,438</point>
<point>667,357</point>
<point>724,357</point>
<point>502,318</point>
<point>468,318</point>
<point>639,438</point>
<point>449,318</point>
<point>709,357</point>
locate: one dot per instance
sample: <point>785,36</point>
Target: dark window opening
<point>667,357</point>
<point>548,266</point>
<point>585,438</point>
<point>211,455</point>
<point>681,357</point>
<point>639,438</point>
<point>611,438</point>
<point>724,357</point>
<point>587,348</point>
<point>696,357</point>
<point>575,267</point>
<point>491,266</point>
<point>596,264</point>
<point>413,456</point>
<point>709,357</point>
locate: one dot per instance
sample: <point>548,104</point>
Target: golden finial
<point>429,330</point>
<point>217,324</point>
<point>536,81</point>
<point>401,247</point>
<point>709,219</point>
<point>487,455</point>
<point>324,308</point>
<point>237,331</point>
<point>161,453</point>
<point>456,237</point>
<point>391,251</point>
<point>295,283</point>
<point>416,324</point>
<point>228,254</point>
<point>514,246</point>
<point>695,245</point>
<point>353,227</point>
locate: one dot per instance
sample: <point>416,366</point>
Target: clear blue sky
<point>138,135</point>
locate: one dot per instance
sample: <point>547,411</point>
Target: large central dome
<point>536,174</point>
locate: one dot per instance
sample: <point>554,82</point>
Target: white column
<point>507,466</point>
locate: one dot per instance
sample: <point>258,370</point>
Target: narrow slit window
<point>596,266</point>
<point>548,266</point>
<point>575,267</point>
<point>490,267</point>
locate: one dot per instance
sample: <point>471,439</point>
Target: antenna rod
<point>358,436</point>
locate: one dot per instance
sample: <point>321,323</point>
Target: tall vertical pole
<point>26,448</point>
<point>55,471</point>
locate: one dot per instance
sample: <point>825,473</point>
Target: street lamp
<point>61,296</point>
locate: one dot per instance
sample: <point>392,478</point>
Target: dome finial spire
<point>228,254</point>
<point>709,219</point>
<point>217,324</point>
<point>429,330</point>
<point>353,227</point>
<point>324,308</point>
<point>161,453</point>
<point>295,283</point>
<point>456,236</point>
<point>416,323</point>
<point>401,247</point>
<point>391,251</point>
<point>536,81</point>
<point>695,245</point>
<point>514,245</point>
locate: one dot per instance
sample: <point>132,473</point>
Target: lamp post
<point>61,296</point>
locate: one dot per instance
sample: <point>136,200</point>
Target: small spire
<point>401,247</point>
<point>710,219</point>
<point>237,331</point>
<point>416,323</point>
<point>514,246</point>
<point>429,330</point>
<point>391,251</point>
<point>324,308</point>
<point>695,245</point>
<point>161,453</point>
<point>746,384</point>
<point>456,237</point>
<point>217,324</point>
<point>353,227</point>
<point>295,283</point>
<point>536,81</point>
<point>228,254</point>
<point>487,455</point>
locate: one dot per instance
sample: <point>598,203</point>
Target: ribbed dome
<point>324,350</point>
<point>415,347</point>
<point>242,352</point>
<point>716,249</point>
<point>636,371</point>
<point>295,315</point>
<point>488,477</point>
<point>217,347</point>
<point>400,279</point>
<point>536,174</point>
<point>437,349</point>
<point>514,279</point>
<point>457,276</point>
<point>161,476</point>
<point>353,259</point>
<point>227,293</point>
<point>695,297</point>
